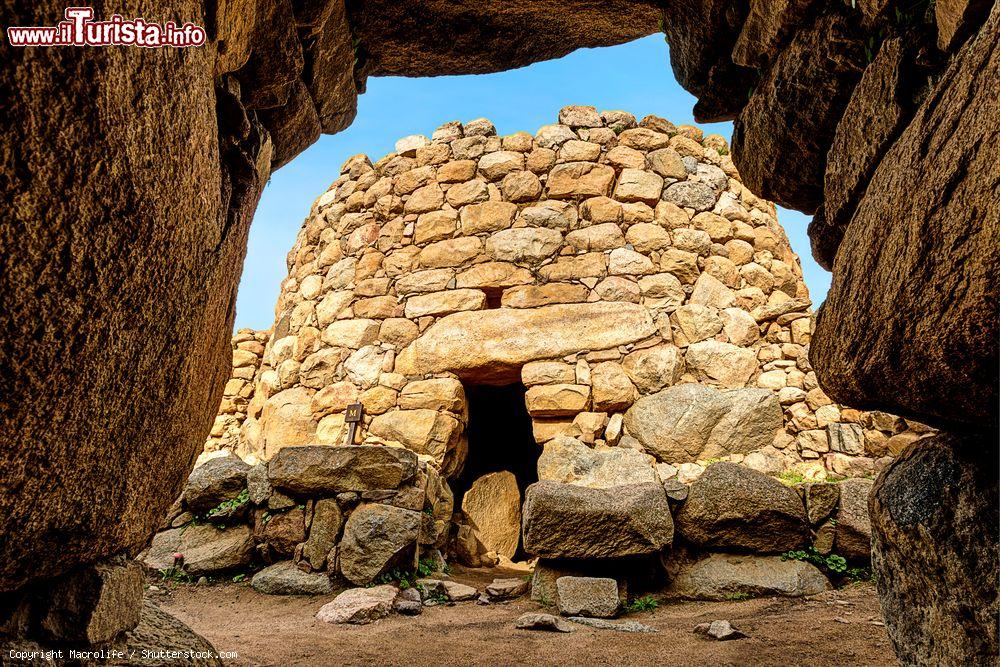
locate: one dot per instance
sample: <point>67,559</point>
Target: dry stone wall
<point>615,268</point>
<point>248,350</point>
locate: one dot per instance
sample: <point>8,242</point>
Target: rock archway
<point>131,175</point>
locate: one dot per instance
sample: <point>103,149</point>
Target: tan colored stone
<point>493,506</point>
<point>597,238</point>
<point>638,185</point>
<point>643,139</point>
<point>495,347</point>
<point>494,166</point>
<point>547,372</point>
<point>425,199</point>
<point>612,388</point>
<point>600,210</point>
<point>625,262</point>
<point>489,216</point>
<point>556,400</point>
<point>435,226</point>
<point>721,364</point>
<point>647,237</point>
<point>494,275</point>
<point>667,163</point>
<point>425,432</point>
<point>532,296</point>
<point>617,288</point>
<point>591,264</point>
<point>457,171</point>
<point>453,252</point>
<point>469,192</point>
<point>653,368</point>
<point>443,303</point>
<point>580,179</point>
<point>683,265</point>
<point>524,244</point>
<point>417,282</point>
<point>435,394</point>
<point>521,186</point>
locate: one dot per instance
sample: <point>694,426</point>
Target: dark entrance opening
<point>500,437</point>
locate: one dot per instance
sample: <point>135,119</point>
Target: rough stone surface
<point>734,507</point>
<point>159,631</point>
<point>536,621</point>
<point>359,606</point>
<point>854,528</point>
<point>595,597</point>
<point>569,521</point>
<point>493,506</point>
<point>215,481</point>
<point>870,353</point>
<point>568,460</point>
<point>321,469</point>
<point>376,536</point>
<point>285,578</point>
<point>934,551</point>
<point>721,576</point>
<point>690,422</point>
<point>207,550</point>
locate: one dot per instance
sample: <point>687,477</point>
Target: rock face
<point>493,506</point>
<point>908,369</point>
<point>934,550</point>
<point>285,578</point>
<point>312,470</point>
<point>206,549</point>
<point>359,605</point>
<point>854,528</point>
<point>159,631</point>
<point>569,521</point>
<point>734,507</point>
<point>570,461</point>
<point>691,422</point>
<point>375,537</point>
<point>596,597</point>
<point>215,481</point>
<point>722,576</point>
<point>100,483</point>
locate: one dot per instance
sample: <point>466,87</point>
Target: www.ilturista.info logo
<point>79,29</point>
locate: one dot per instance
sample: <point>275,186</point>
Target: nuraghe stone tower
<point>612,282</point>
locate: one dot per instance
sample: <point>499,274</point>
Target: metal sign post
<point>352,417</point>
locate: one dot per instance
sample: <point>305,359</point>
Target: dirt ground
<point>840,627</point>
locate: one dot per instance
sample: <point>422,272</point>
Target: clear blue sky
<point>635,77</point>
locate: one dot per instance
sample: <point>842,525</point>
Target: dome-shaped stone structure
<point>619,271</point>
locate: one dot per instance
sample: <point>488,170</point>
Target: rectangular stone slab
<point>491,346</point>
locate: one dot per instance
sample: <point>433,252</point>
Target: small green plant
<point>645,603</point>
<point>438,597</point>
<point>723,151</point>
<point>239,577</point>
<point>426,567</point>
<point>833,562</point>
<point>859,574</point>
<point>790,477</point>
<point>227,505</point>
<point>396,576</point>
<point>737,597</point>
<point>176,575</point>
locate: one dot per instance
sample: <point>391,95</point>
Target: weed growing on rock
<point>645,603</point>
<point>831,563</point>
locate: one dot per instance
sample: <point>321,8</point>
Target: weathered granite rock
<point>854,528</point>
<point>536,621</point>
<point>569,521</point>
<point>793,112</point>
<point>494,348</point>
<point>733,507</point>
<point>328,470</point>
<point>934,550</point>
<point>596,597</point>
<point>493,507</point>
<point>570,461</point>
<point>214,481</point>
<point>206,549</point>
<point>720,630</point>
<point>690,422</point>
<point>869,352</point>
<point>721,576</point>
<point>284,578</point>
<point>159,631</point>
<point>359,605</point>
<point>375,538</point>
<point>327,519</point>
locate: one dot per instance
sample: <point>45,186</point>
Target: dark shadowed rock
<point>534,621</point>
<point>934,551</point>
<point>689,422</point>
<point>375,538</point>
<point>909,325</point>
<point>854,528</point>
<point>781,137</point>
<point>821,500</point>
<point>722,576</point>
<point>319,469</point>
<point>567,521</point>
<point>159,631</point>
<point>733,507</point>
<point>596,597</point>
<point>214,481</point>
<point>280,531</point>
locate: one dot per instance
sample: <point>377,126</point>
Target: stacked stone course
<point>248,349</point>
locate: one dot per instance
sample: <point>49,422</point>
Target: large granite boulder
<point>159,631</point>
<point>570,461</point>
<point>723,576</point>
<point>284,578</point>
<point>926,234</point>
<point>321,470</point>
<point>688,422</point>
<point>734,507</point>
<point>376,537</point>
<point>359,605</point>
<point>215,481</point>
<point>570,521</point>
<point>493,507</point>
<point>935,525</point>
<point>206,549</point>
